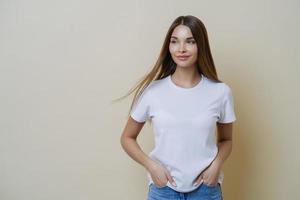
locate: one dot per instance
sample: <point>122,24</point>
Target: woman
<point>185,101</point>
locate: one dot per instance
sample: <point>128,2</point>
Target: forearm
<point>133,149</point>
<point>225,148</point>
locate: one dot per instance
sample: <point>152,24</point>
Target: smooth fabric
<point>184,126</point>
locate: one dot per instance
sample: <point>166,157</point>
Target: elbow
<point>124,139</point>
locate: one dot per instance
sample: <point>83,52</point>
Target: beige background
<point>63,62</point>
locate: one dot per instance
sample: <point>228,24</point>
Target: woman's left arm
<point>224,142</point>
<point>210,175</point>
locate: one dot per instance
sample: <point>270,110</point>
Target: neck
<point>186,76</point>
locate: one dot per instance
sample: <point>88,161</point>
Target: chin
<point>183,64</point>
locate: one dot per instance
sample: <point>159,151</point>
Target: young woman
<point>185,101</point>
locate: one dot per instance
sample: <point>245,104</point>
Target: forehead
<point>182,31</point>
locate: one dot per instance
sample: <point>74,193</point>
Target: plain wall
<point>63,62</point>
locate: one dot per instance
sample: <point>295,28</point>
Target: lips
<point>183,57</point>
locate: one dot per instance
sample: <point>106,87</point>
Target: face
<point>183,47</point>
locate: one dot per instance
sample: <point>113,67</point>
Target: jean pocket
<point>159,187</point>
<point>161,193</point>
<point>213,191</point>
<point>211,186</point>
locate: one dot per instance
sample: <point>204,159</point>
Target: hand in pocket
<point>160,175</point>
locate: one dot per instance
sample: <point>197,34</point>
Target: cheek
<point>193,49</point>
<point>171,49</point>
<point>194,52</point>
<point>195,56</point>
<point>172,52</point>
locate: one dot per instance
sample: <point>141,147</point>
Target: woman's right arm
<point>160,175</point>
<point>130,145</point>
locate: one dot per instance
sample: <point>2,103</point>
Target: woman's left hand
<point>209,176</point>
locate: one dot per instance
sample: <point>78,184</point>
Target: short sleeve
<point>140,110</point>
<point>227,113</point>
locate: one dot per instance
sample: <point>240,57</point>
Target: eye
<point>173,41</point>
<point>191,41</point>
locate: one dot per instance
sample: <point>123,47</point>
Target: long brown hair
<point>165,65</point>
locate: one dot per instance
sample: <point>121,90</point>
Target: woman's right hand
<point>160,175</point>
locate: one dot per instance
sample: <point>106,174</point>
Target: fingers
<point>198,181</point>
<point>170,178</point>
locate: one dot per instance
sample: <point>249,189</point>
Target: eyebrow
<point>186,38</point>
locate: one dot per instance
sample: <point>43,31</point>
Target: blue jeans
<point>203,192</point>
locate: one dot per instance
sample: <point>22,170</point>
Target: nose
<point>182,47</point>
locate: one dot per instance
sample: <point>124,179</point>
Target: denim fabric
<point>203,192</point>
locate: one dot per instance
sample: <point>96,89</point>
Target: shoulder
<point>221,86</point>
<point>150,89</point>
<point>225,87</point>
<point>156,85</point>
<point>226,91</point>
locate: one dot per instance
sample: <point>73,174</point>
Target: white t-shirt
<point>184,124</point>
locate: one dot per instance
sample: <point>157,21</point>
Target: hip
<point>203,191</point>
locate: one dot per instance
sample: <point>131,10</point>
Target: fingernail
<point>195,183</point>
<point>174,184</point>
